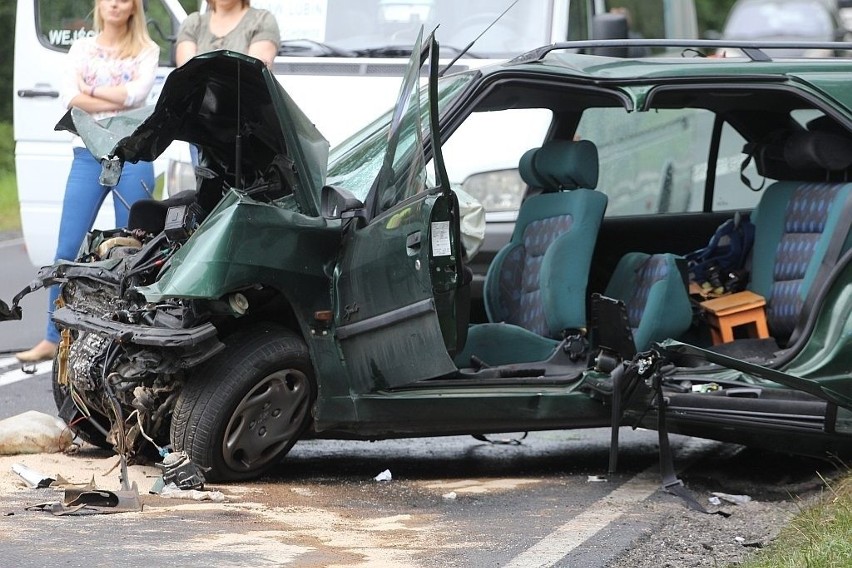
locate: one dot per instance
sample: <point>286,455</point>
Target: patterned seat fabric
<point>793,223</point>
<point>535,288</point>
<point>655,296</point>
<point>796,221</point>
<point>519,282</point>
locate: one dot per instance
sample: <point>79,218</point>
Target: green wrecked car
<point>674,253</point>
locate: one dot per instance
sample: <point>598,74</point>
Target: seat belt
<point>671,482</point>
<point>829,261</point>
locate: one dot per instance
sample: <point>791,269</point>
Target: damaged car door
<point>400,277</point>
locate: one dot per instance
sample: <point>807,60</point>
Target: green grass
<point>819,536</point>
<point>10,218</point>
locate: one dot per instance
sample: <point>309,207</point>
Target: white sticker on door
<point>441,238</point>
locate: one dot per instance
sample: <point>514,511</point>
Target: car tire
<point>82,428</point>
<point>243,409</point>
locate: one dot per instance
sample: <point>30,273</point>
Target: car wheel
<point>82,428</point>
<point>241,411</point>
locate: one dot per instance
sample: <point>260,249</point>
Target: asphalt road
<point>16,272</point>
<point>451,501</point>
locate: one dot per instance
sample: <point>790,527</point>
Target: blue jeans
<point>83,198</point>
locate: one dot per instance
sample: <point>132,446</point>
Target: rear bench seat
<point>796,224</point>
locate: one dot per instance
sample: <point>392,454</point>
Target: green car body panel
<point>377,291</point>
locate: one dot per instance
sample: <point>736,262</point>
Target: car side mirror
<point>340,203</point>
<point>610,26</point>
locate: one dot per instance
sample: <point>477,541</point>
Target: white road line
<point>555,546</point>
<point>15,374</point>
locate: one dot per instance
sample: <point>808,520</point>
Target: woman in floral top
<point>109,72</point>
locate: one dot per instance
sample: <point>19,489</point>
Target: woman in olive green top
<point>229,24</point>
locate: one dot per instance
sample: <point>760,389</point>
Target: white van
<point>340,60</point>
<point>44,30</point>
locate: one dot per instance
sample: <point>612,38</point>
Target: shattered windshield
<point>381,28</point>
<point>101,136</point>
<point>355,163</point>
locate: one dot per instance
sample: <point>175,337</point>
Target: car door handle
<point>33,93</point>
<point>412,243</point>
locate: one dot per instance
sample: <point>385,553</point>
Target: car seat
<point>801,227</point>
<point>653,290</point>
<point>535,289</point>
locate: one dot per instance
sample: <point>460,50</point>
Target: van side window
<point>61,22</point>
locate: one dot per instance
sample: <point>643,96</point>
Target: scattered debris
<point>88,499</point>
<point>179,470</point>
<point>383,476</point>
<point>733,499</point>
<point>596,479</point>
<point>451,496</point>
<point>503,441</point>
<point>29,368</point>
<point>34,479</point>
<point>33,432</point>
<point>172,491</point>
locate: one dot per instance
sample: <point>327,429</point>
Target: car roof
<point>682,59</point>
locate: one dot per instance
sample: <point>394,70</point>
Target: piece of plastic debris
<point>89,500</point>
<point>383,476</point>
<point>739,539</point>
<point>172,491</point>
<point>596,479</point>
<point>715,501</point>
<point>33,432</point>
<point>733,499</point>
<point>178,469</point>
<point>33,478</point>
<point>451,496</point>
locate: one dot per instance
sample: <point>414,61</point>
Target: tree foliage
<point>712,14</point>
<point>7,46</point>
<point>648,16</point>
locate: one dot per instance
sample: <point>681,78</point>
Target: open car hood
<point>208,102</point>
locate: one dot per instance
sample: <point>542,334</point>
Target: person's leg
<point>83,197</point>
<point>137,182</point>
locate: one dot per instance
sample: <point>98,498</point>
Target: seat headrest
<point>561,164</point>
<point>803,155</point>
<point>527,169</point>
<point>818,149</point>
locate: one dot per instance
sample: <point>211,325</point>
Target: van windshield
<point>375,27</point>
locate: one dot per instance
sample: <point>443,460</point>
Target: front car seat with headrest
<point>535,289</point>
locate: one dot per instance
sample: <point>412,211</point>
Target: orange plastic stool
<point>727,312</point>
